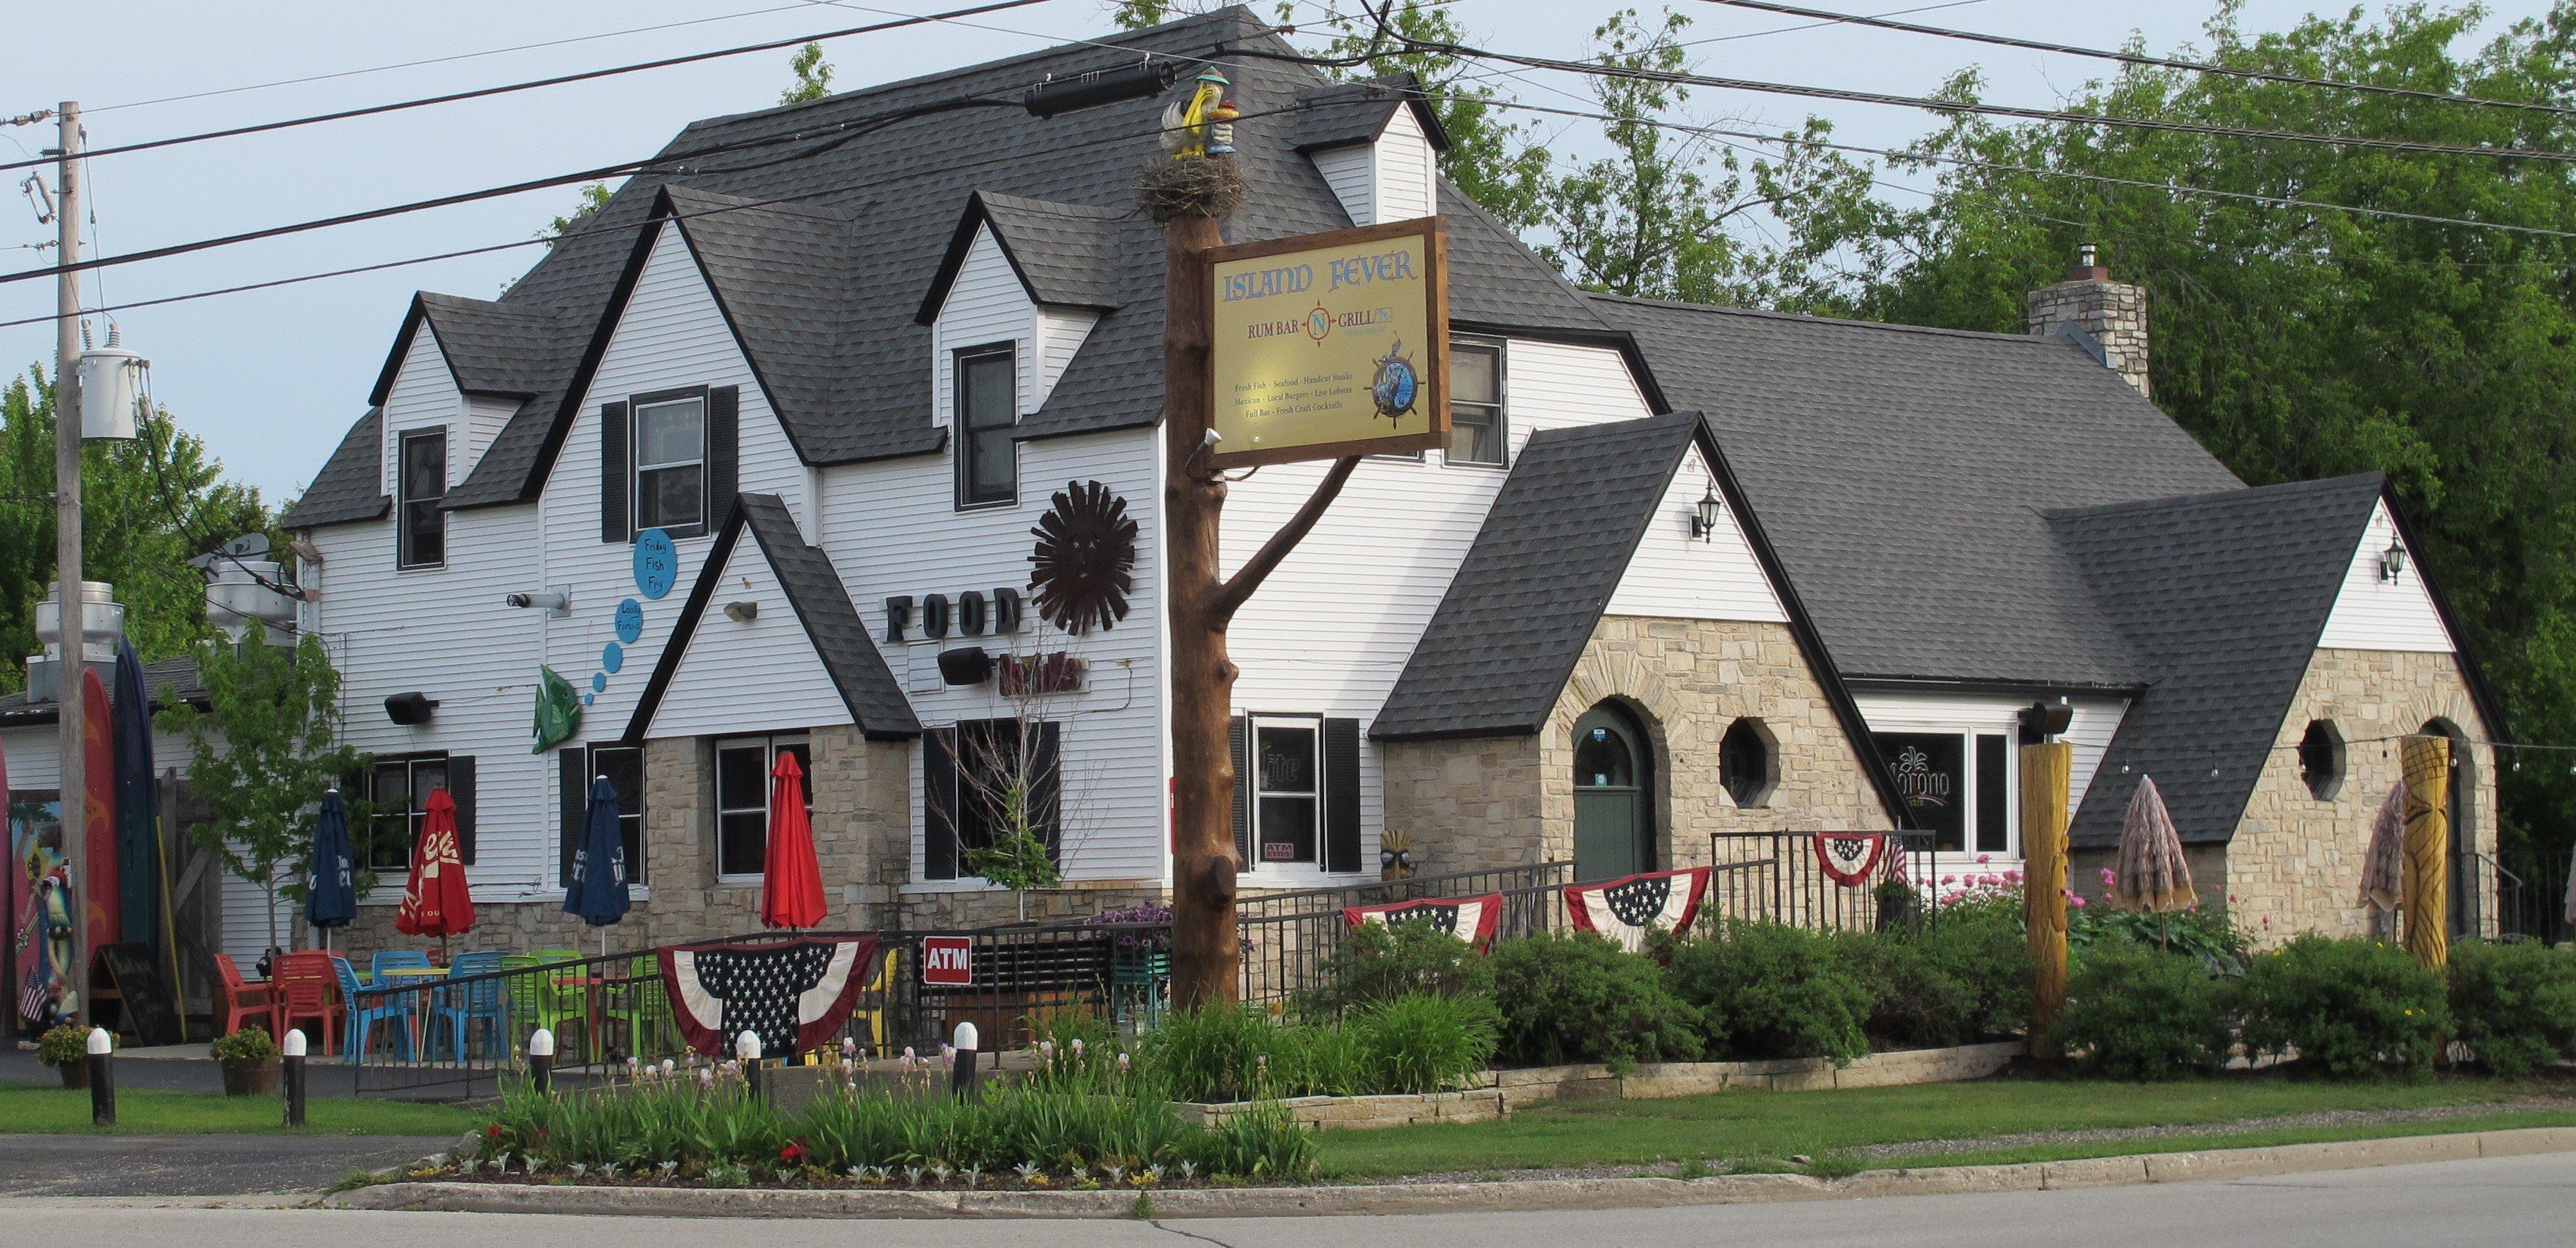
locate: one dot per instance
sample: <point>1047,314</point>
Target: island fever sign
<point>1329,345</point>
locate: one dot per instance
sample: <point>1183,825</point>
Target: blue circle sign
<point>598,683</point>
<point>588,698</point>
<point>630,621</point>
<point>613,656</point>
<point>657,563</point>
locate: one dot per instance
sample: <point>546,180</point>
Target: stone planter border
<point>1504,1091</point>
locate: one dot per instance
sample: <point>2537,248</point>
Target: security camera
<point>556,602</point>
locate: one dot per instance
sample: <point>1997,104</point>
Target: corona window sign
<point>1328,345</point>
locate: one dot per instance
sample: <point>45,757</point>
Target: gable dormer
<point>1034,275</point>
<point>1378,146</point>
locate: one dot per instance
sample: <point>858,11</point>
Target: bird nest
<point>1206,186</point>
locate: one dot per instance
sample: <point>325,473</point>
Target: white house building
<point>1681,571</point>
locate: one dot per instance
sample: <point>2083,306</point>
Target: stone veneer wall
<point>1509,801</point>
<point>2295,862</point>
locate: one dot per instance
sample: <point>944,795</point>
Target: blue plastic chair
<point>395,1009</point>
<point>460,1007</point>
<point>377,965</point>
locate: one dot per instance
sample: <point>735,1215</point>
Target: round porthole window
<point>2321,759</point>
<point>1748,762</point>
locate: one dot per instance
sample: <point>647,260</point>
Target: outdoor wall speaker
<point>2043,720</point>
<point>965,665</point>
<point>410,709</point>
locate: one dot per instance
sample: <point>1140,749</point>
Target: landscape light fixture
<point>742,612</point>
<point>1703,521</point>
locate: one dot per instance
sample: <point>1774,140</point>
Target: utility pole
<point>72,615</point>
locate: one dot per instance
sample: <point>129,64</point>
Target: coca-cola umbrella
<point>436,901</point>
<point>791,885</point>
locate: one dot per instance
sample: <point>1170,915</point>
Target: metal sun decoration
<point>1085,552</point>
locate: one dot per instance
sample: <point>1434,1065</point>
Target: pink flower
<point>2076,902</point>
<point>2012,877</point>
<point>1985,858</point>
<point>1949,879</point>
<point>2110,878</point>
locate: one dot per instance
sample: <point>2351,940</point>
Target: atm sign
<point>944,961</point>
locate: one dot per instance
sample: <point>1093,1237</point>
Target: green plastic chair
<point>646,1009</point>
<point>559,1008</point>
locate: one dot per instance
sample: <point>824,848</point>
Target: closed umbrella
<point>330,889</point>
<point>791,885</point>
<point>435,899</point>
<point>138,802</point>
<point>2152,875</point>
<point>2383,865</point>
<point>598,892</point>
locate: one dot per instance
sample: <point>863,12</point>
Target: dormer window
<point>987,401</point>
<point>671,464</point>
<point>421,484</point>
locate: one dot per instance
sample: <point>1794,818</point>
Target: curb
<point>1523,1196</point>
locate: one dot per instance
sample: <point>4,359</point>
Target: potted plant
<point>66,1049</point>
<point>249,1058</point>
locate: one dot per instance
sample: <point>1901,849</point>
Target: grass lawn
<point>1754,1125</point>
<point>27,1108</point>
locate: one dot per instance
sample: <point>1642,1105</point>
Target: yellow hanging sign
<point>1329,345</point>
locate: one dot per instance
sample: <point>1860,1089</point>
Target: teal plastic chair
<point>460,1007</point>
<point>363,1017</point>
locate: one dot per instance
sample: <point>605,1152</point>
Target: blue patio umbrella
<point>598,891</point>
<point>330,889</point>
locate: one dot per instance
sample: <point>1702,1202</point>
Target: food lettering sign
<point>1328,345</point>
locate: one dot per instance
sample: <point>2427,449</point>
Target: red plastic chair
<point>302,988</point>
<point>240,1001</point>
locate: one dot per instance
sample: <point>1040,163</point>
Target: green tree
<point>593,197</point>
<point>813,76</point>
<point>147,507</point>
<point>2298,342</point>
<point>261,755</point>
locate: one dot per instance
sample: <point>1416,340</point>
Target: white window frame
<point>403,560</point>
<point>1966,854</point>
<point>1313,724</point>
<point>704,462</point>
<point>771,744</point>
<point>961,428</point>
<point>1501,404</point>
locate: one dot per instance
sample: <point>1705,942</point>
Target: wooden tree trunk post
<point>1206,959</point>
<point>2427,761</point>
<point>2045,769</point>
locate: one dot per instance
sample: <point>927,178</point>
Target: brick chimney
<point>2108,317</point>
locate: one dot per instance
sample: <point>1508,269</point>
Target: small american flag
<point>36,1004</point>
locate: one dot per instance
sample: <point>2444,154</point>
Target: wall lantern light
<point>1703,521</point>
<point>2392,561</point>
<point>742,612</point>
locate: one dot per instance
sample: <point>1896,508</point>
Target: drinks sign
<point>1328,345</point>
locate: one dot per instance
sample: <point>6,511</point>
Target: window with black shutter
<point>984,773</point>
<point>398,789</point>
<point>939,804</point>
<point>615,523</point>
<point>420,486</point>
<point>624,767</point>
<point>743,790</point>
<point>1341,795</point>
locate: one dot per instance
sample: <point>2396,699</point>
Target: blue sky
<point>271,379</point>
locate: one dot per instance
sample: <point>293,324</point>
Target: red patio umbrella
<point>791,885</point>
<point>435,898</point>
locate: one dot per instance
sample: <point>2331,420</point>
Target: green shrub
<point>1914,1002</point>
<point>2139,1012</point>
<point>1583,999</point>
<point>1425,1043</point>
<point>1216,1053</point>
<point>1380,962</point>
<point>2204,933</point>
<point>2514,1004</point>
<point>62,1046</point>
<point>1766,990</point>
<point>2352,1007</point>
<point>250,1044</point>
<point>1963,976</point>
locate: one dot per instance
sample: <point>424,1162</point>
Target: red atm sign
<point>944,961</point>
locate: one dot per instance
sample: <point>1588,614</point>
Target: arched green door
<point>1611,784</point>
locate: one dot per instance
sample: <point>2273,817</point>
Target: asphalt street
<point>2522,1200</point>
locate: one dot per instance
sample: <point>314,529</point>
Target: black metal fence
<point>1781,876</point>
<point>456,1036</point>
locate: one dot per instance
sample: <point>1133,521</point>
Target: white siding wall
<point>484,416</point>
<point>424,396</point>
<point>2096,720</point>
<point>1393,179</point>
<point>1352,173</point>
<point>446,633</point>
<point>1676,576</point>
<point>766,662</point>
<point>1332,628</point>
<point>2373,614</point>
<point>987,304</point>
<point>893,531</point>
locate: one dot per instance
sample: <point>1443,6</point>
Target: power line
<point>441,60</point>
<point>1880,21</point>
<point>489,248</point>
<point>1946,107</point>
<point>453,97</point>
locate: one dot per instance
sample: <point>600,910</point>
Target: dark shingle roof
<point>873,211</point>
<point>496,348</point>
<point>1901,472</point>
<point>1525,600</point>
<point>840,639</point>
<point>351,485</point>
<point>1346,114</point>
<point>167,679</point>
<point>2222,597</point>
<point>1069,255</point>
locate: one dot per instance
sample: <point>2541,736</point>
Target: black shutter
<point>572,799</point>
<point>1235,730</point>
<point>724,454</point>
<point>1046,796</point>
<point>939,804</point>
<point>615,466</point>
<point>1341,795</point>
<point>460,790</point>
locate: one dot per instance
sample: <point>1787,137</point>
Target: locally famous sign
<point>1329,345</point>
